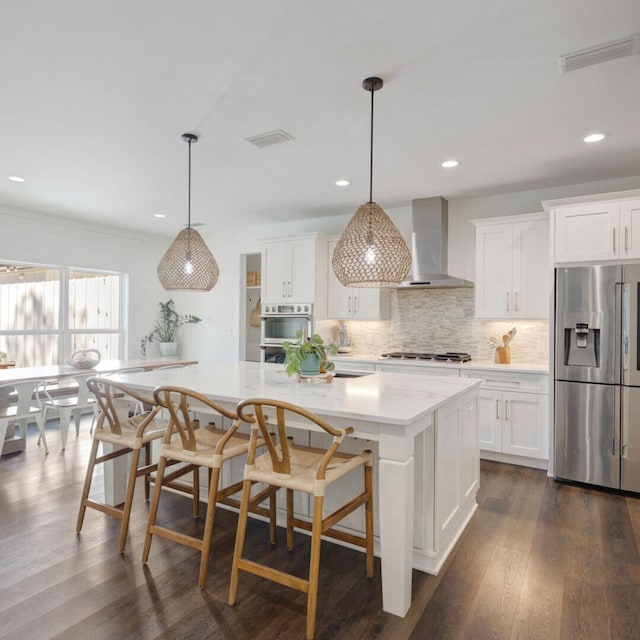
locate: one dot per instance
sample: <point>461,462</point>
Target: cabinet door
<point>339,303</point>
<point>587,232</point>
<point>530,296</point>
<point>470,460</point>
<point>630,228</point>
<point>370,304</point>
<point>346,303</point>
<point>494,250</point>
<point>277,272</point>
<point>448,481</point>
<point>490,414</point>
<point>525,425</point>
<point>303,271</point>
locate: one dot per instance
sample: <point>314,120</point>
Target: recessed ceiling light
<point>449,164</point>
<point>342,183</point>
<point>594,137</point>
<point>16,179</point>
<point>159,215</point>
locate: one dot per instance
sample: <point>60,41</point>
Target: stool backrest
<point>176,400</point>
<point>114,398</point>
<point>258,412</point>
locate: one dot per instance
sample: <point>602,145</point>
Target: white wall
<point>27,236</point>
<point>33,237</point>
<point>462,249</point>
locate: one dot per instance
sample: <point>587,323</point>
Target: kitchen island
<point>423,430</point>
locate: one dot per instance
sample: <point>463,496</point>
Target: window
<point>47,313</point>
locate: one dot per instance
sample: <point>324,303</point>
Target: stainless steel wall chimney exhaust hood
<point>429,243</point>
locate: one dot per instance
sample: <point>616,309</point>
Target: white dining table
<point>25,379</point>
<point>392,409</point>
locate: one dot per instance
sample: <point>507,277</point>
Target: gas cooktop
<point>449,356</point>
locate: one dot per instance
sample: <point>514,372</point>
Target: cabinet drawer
<point>503,381</point>
<point>420,369</point>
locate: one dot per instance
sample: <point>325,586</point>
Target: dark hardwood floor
<point>539,560</point>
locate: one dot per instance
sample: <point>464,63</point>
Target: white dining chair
<point>20,406</point>
<point>68,397</point>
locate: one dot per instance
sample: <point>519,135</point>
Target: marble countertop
<point>515,367</point>
<point>390,398</point>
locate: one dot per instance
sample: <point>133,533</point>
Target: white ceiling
<point>96,94</point>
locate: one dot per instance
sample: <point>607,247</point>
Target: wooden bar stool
<point>209,447</point>
<point>298,468</point>
<point>118,424</point>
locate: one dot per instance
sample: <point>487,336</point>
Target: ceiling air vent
<point>269,138</point>
<point>600,53</point>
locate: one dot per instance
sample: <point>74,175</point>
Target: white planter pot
<point>168,348</point>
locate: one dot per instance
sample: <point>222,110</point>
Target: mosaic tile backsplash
<point>438,320</point>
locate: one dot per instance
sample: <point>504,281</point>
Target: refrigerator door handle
<point>617,424</point>
<point>629,338</point>
<point>626,328</point>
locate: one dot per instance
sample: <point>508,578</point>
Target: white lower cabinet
<point>457,466</point>
<point>513,417</point>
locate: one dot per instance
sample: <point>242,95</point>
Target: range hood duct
<point>429,242</point>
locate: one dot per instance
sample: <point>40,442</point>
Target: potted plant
<point>307,357</point>
<point>166,328</point>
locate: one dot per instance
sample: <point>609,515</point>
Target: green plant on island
<point>168,324</point>
<point>307,356</point>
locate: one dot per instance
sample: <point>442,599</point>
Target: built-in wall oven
<point>280,323</point>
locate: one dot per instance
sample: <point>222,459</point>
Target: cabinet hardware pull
<point>626,239</point>
<point>614,240</point>
<point>506,410</point>
<point>284,293</point>
<point>515,303</point>
<point>502,381</point>
<point>355,304</point>
<point>507,301</point>
<point>497,409</point>
<point>349,304</point>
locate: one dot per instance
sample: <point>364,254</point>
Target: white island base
<point>424,434</point>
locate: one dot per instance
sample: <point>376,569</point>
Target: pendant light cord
<point>371,151</point>
<point>189,193</point>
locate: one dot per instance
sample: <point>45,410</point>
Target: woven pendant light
<point>187,264</point>
<point>371,252</point>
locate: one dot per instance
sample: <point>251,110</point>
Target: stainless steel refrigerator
<point>597,376</point>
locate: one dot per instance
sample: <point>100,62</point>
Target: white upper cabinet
<point>351,303</point>
<point>295,270</point>
<point>604,230</point>
<point>512,267</point>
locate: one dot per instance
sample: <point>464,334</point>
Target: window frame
<point>63,334</point>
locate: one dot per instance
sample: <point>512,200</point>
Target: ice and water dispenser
<point>581,339</point>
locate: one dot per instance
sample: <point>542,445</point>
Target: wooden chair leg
<point>147,462</point>
<point>128,500</point>
<point>153,511</point>
<point>314,566</point>
<point>272,518</point>
<point>87,484</point>
<point>240,535</point>
<point>196,492</point>
<point>208,526</point>
<point>368,515</point>
<point>289,519</point>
